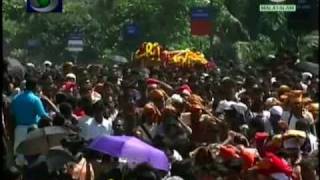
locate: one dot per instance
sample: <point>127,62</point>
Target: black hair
<point>234,165</point>
<point>257,124</point>
<point>183,169</point>
<point>145,172</point>
<point>60,98</point>
<point>114,173</point>
<point>31,84</point>
<point>85,88</point>
<point>99,106</point>
<point>240,140</point>
<point>302,125</point>
<point>58,120</point>
<point>73,143</point>
<point>44,122</point>
<point>86,104</point>
<point>65,109</point>
<point>72,101</point>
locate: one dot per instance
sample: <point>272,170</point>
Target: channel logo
<point>44,6</point>
<point>277,7</point>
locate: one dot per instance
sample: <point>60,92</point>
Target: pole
<point>75,57</point>
<point>211,35</point>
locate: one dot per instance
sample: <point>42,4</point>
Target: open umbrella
<point>57,158</point>
<point>132,149</point>
<point>309,67</point>
<point>15,68</point>
<point>118,59</point>
<point>41,140</point>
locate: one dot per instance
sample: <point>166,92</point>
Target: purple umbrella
<point>132,149</point>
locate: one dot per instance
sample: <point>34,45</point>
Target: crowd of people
<point>227,123</point>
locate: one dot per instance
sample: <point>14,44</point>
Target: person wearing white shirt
<point>97,125</point>
<point>312,145</point>
<point>296,112</point>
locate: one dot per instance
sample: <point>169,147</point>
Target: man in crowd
<point>27,109</point>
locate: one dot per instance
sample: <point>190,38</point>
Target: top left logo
<point>44,6</point>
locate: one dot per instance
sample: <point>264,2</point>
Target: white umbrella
<point>118,59</point>
<point>309,67</point>
<point>15,68</point>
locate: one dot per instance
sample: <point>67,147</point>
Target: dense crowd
<point>228,123</point>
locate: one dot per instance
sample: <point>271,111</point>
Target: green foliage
<point>240,30</point>
<point>308,45</point>
<point>249,51</point>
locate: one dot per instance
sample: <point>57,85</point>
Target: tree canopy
<point>240,31</point>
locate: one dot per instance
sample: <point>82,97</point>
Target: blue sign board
<point>76,36</point>
<point>75,42</point>
<point>33,43</point>
<point>131,31</point>
<point>200,14</point>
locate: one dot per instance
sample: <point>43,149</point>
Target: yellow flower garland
<point>185,58</point>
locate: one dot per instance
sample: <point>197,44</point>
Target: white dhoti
<point>20,134</point>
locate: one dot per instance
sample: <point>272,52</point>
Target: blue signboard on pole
<point>75,42</point>
<point>33,43</point>
<point>201,21</point>
<point>201,13</point>
<point>131,31</point>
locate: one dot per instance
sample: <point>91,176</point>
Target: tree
<point>236,23</point>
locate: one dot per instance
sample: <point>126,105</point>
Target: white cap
<point>71,75</point>
<point>272,56</point>
<point>173,178</point>
<point>205,74</point>
<point>47,63</point>
<point>306,75</point>
<point>270,100</point>
<point>276,110</point>
<point>244,127</point>
<point>224,105</point>
<point>30,65</point>
<point>177,98</point>
<point>226,78</point>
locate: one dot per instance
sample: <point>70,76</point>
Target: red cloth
<point>152,81</point>
<point>228,152</point>
<point>260,139</point>
<point>79,112</point>
<point>184,87</point>
<point>261,136</point>
<point>248,157</point>
<point>274,164</point>
<point>211,65</point>
<point>69,86</point>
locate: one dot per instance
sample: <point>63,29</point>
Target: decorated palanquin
<point>154,54</point>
